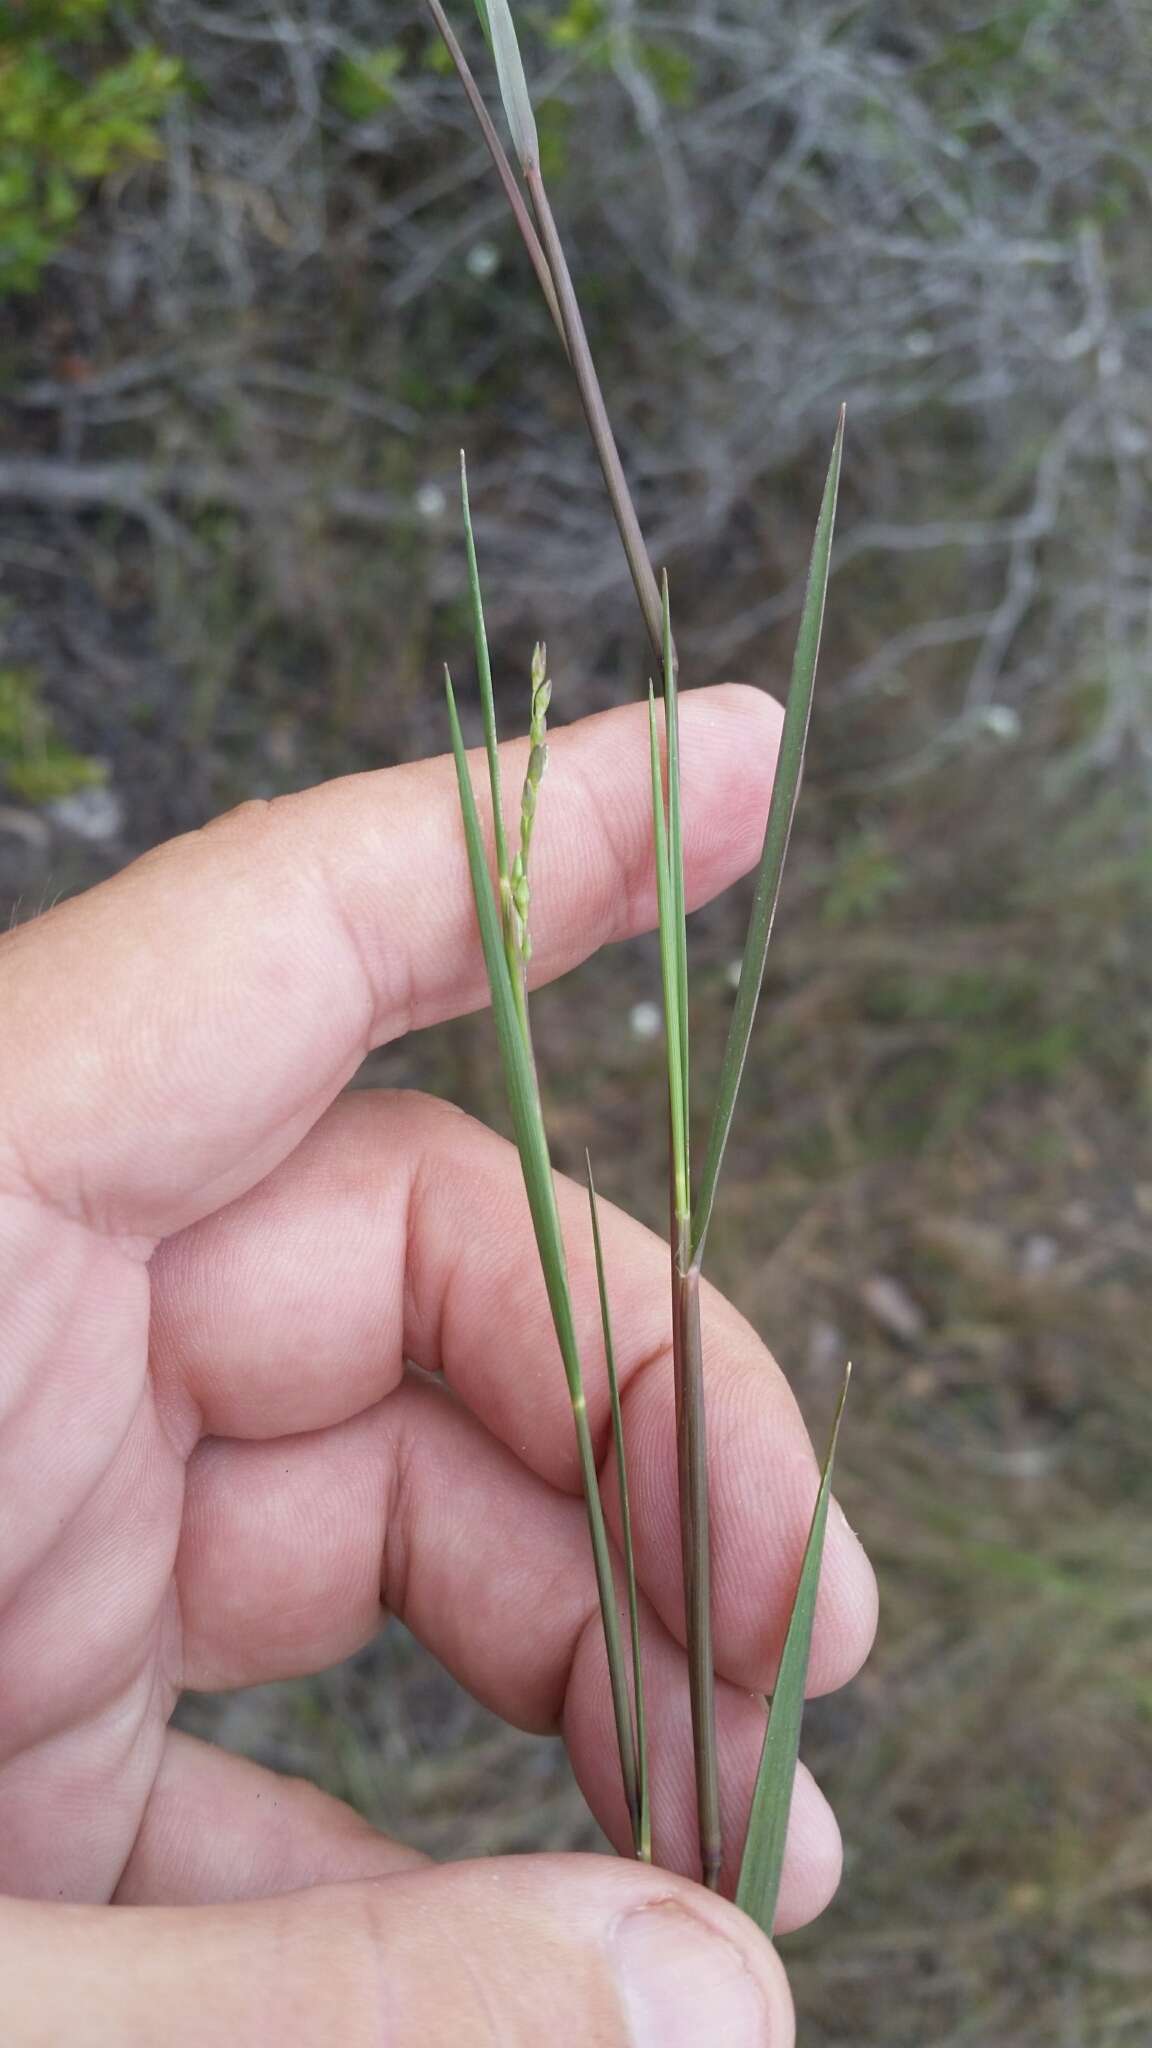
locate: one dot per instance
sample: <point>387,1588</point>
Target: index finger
<point>170,1036</point>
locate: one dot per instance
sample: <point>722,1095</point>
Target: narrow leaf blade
<point>759,1885</point>
<point>484,672</point>
<point>519,1070</point>
<point>513,84</point>
<point>496,151</point>
<point>519,1073</point>
<point>785,790</point>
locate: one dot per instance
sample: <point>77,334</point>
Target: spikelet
<point>537,762</point>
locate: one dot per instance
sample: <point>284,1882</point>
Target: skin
<point>217,1468</point>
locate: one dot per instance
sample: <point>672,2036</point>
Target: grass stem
<point>696,1548</point>
<point>640,1724</point>
<point>687,1343</point>
<point>595,411</point>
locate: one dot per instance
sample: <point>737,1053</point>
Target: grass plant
<point>502,909</point>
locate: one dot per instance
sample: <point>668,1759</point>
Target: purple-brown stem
<point>695,1541</point>
<point>596,412</point>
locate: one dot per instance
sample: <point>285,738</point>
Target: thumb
<point>574,1949</point>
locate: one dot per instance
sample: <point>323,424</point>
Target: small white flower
<point>431,502</point>
<point>644,1020</point>
<point>732,973</point>
<point>482,260</point>
<point>1001,721</point>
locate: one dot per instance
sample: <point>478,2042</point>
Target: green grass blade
<point>759,1885</point>
<point>785,790</point>
<point>519,1072</point>
<point>669,968</point>
<point>513,84</point>
<point>644,1846</point>
<point>536,1166</point>
<point>484,672</point>
<point>676,871</point>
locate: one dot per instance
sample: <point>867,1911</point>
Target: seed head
<point>537,762</point>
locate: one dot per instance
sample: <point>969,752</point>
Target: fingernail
<point>683,1984</point>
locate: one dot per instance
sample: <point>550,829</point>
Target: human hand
<point>215,1470</point>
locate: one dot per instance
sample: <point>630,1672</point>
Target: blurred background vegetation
<point>256,288</point>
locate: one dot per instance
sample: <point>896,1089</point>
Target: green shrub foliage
<point>73,107</point>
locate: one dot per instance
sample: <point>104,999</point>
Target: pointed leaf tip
<point>513,84</point>
<point>781,810</point>
<point>759,1885</point>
